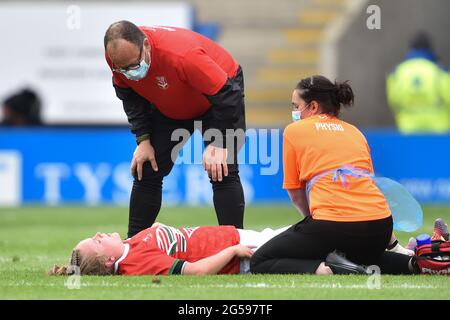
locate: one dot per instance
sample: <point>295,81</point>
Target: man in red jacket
<point>168,78</point>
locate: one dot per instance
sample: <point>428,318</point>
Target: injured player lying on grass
<point>165,250</point>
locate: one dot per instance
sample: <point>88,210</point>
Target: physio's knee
<point>255,263</point>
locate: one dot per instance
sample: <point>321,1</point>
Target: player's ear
<point>110,262</point>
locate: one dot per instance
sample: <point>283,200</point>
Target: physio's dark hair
<point>330,96</point>
<point>124,30</point>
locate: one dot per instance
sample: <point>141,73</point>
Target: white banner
<point>57,50</point>
<point>10,178</point>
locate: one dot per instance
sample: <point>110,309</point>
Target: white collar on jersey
<point>124,255</point>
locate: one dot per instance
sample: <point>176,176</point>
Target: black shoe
<point>341,265</point>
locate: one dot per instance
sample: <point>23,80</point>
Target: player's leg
<point>395,246</point>
<point>146,195</point>
<point>258,238</point>
<point>268,233</point>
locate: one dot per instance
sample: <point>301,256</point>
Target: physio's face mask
<point>135,72</point>
<point>297,114</point>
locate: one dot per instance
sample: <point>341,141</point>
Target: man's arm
<point>215,263</point>
<point>138,111</point>
<point>227,99</point>
<point>225,94</point>
<point>227,104</point>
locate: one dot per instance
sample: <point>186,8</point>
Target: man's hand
<point>214,159</point>
<point>144,152</point>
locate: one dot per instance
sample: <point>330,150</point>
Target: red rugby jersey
<point>185,66</point>
<point>157,250</point>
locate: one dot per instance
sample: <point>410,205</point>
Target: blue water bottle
<point>423,239</point>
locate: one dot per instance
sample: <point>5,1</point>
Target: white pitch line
<point>228,286</point>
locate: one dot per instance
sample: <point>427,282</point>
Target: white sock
<point>399,249</point>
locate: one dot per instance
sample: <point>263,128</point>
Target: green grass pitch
<point>32,239</point>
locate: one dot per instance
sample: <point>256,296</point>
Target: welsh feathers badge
<point>162,83</point>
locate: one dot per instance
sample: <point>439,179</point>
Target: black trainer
<point>341,265</point>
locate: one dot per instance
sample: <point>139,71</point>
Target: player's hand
<point>144,152</point>
<point>242,251</point>
<point>214,160</point>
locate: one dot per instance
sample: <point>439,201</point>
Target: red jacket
<point>185,68</point>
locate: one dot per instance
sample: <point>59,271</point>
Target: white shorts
<point>257,239</point>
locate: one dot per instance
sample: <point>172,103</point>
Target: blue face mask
<point>139,73</point>
<point>297,114</point>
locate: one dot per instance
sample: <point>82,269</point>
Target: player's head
<point>93,256</point>
<point>22,108</point>
<point>128,48</point>
<point>317,95</point>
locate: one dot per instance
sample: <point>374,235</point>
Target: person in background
<point>22,109</point>
<point>418,90</point>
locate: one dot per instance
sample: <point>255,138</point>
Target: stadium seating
<point>275,59</point>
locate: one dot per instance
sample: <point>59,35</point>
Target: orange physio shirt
<point>321,143</point>
<point>185,67</point>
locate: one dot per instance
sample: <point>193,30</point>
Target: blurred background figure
<point>22,109</point>
<point>418,90</point>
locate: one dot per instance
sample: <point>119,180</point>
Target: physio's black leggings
<point>301,248</point>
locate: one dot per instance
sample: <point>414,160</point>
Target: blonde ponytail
<point>58,271</point>
<point>90,265</point>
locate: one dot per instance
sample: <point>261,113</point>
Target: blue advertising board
<point>92,166</point>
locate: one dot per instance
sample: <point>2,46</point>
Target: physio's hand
<point>214,159</point>
<point>144,152</point>
<point>242,251</point>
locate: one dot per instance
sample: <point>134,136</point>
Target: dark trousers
<point>145,201</point>
<point>302,248</point>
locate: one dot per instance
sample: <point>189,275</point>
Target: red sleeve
<point>119,82</point>
<point>203,73</point>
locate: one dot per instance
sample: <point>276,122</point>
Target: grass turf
<point>32,239</point>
